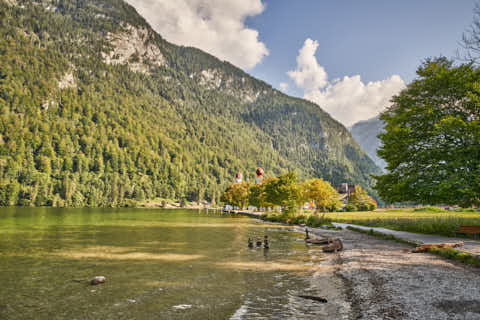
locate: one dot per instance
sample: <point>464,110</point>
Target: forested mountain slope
<point>96,109</point>
<point>366,134</point>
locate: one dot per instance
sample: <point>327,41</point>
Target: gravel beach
<point>380,279</point>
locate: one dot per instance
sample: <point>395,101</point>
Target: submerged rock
<point>182,306</point>
<point>314,298</point>
<point>97,280</point>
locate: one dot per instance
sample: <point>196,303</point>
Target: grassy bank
<point>447,253</point>
<point>310,219</point>
<point>425,220</point>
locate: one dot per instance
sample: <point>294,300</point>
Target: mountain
<point>97,109</point>
<point>366,134</point>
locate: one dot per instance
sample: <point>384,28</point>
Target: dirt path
<point>383,280</point>
<point>470,246</point>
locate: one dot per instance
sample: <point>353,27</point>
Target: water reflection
<point>153,260</point>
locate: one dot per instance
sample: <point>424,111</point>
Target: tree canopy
<point>326,198</point>
<point>287,192</point>
<point>236,194</point>
<point>432,137</point>
<point>284,191</point>
<point>360,201</point>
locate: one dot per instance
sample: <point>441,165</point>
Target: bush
<point>467,210</point>
<point>351,207</point>
<point>183,203</point>
<point>129,203</point>
<point>315,221</point>
<point>361,201</point>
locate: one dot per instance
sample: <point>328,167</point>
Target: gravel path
<point>383,280</point>
<point>470,246</point>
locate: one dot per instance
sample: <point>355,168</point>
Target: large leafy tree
<point>325,196</point>
<point>360,201</point>
<point>432,137</point>
<point>284,191</point>
<point>257,196</point>
<point>471,39</point>
<point>237,195</point>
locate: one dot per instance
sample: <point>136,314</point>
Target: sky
<point>348,56</point>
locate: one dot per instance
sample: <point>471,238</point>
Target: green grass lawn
<point>427,221</point>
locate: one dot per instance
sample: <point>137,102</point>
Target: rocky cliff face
<point>134,47</point>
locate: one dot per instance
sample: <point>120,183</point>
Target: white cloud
<point>283,86</point>
<point>309,74</point>
<point>348,100</point>
<point>215,26</point>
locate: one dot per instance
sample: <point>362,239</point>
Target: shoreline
<point>382,279</point>
<point>375,278</point>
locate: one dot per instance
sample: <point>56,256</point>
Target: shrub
<point>315,221</point>
<point>312,220</point>
<point>467,210</point>
<point>361,201</point>
<point>351,207</point>
<point>183,202</point>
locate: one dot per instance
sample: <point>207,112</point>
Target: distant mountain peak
<point>366,134</point>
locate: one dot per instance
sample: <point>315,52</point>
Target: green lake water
<point>158,264</point>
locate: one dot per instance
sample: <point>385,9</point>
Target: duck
<point>250,243</point>
<point>265,243</point>
<point>307,237</point>
<point>259,242</point>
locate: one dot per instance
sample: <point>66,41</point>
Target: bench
<point>475,230</point>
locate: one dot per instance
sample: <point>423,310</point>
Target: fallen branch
<point>426,247</point>
<point>317,241</point>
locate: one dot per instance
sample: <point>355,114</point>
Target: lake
<point>158,264</point>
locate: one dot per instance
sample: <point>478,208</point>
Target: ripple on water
<point>173,264</point>
<point>240,313</point>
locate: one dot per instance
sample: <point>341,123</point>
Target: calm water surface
<point>159,264</point>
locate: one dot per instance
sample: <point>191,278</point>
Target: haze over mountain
<point>97,109</point>
<point>366,134</point>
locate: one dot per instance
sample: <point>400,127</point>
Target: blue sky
<point>372,38</point>
<point>349,57</point>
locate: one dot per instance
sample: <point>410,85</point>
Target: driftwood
<point>426,247</point>
<point>317,241</point>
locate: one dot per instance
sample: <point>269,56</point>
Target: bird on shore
<point>307,237</point>
<point>265,243</point>
<point>250,243</point>
<point>259,242</point>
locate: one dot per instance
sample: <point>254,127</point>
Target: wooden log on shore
<point>426,247</point>
<point>317,241</point>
